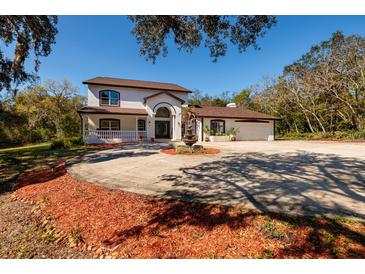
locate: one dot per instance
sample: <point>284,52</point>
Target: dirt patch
<point>22,234</point>
<point>136,226</point>
<point>205,151</point>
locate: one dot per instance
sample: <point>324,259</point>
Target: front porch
<point>115,125</point>
<point>113,128</point>
<point>113,136</point>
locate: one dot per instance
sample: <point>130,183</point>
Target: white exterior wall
<point>248,131</point>
<point>134,98</point>
<point>173,105</point>
<point>127,122</point>
<point>129,97</point>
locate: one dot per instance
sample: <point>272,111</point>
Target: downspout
<point>274,129</point>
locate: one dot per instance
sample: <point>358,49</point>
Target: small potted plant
<point>152,139</point>
<point>140,138</point>
<point>207,132</point>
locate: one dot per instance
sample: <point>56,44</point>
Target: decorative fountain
<point>190,138</point>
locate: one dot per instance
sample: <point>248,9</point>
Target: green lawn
<point>15,161</point>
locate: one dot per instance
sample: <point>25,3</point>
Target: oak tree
<point>27,36</point>
<point>189,32</point>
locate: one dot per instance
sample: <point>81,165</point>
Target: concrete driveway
<point>297,177</point>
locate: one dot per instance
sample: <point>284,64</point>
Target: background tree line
<point>322,92</point>
<point>41,113</point>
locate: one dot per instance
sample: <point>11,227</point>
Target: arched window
<point>163,112</point>
<point>109,98</point>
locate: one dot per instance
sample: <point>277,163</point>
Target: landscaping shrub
<point>73,141</point>
<point>67,142</point>
<point>182,149</point>
<point>58,143</point>
<point>325,135</point>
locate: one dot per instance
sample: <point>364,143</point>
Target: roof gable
<point>119,82</point>
<point>163,93</point>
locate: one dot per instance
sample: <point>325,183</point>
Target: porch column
<point>136,127</point>
<point>172,128</point>
<point>150,127</point>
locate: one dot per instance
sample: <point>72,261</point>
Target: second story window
<point>109,98</point>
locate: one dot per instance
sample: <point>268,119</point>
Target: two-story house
<point>127,110</point>
<point>121,110</point>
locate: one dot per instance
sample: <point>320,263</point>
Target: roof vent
<point>231,105</point>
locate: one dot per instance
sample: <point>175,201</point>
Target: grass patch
<point>211,255</point>
<point>76,235</point>
<point>344,219</point>
<point>270,231</point>
<point>15,161</point>
<point>267,254</point>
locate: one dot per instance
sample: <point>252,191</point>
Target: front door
<point>162,129</point>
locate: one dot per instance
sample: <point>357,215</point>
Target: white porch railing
<point>109,136</point>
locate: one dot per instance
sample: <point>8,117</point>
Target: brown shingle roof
<point>227,112</point>
<point>118,82</point>
<point>113,110</point>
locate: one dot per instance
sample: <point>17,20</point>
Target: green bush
<point>58,143</point>
<point>319,135</point>
<point>198,148</point>
<point>182,149</point>
<point>357,135</point>
<point>67,142</point>
<point>218,133</point>
<point>73,141</point>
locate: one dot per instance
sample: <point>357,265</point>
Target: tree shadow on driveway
<point>138,150</point>
<point>297,183</point>
<point>279,185</point>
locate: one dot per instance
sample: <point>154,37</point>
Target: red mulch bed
<point>172,151</point>
<point>145,227</point>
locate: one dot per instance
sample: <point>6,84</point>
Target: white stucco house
<point>121,110</point>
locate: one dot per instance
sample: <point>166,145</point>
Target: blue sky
<point>88,46</point>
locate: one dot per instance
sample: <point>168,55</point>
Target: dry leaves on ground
<point>138,226</point>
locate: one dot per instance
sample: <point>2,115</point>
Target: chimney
<point>231,105</point>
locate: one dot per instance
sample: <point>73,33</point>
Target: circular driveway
<point>297,177</point>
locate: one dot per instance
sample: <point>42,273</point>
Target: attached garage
<point>251,125</point>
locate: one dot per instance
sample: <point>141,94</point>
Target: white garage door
<point>255,131</point>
